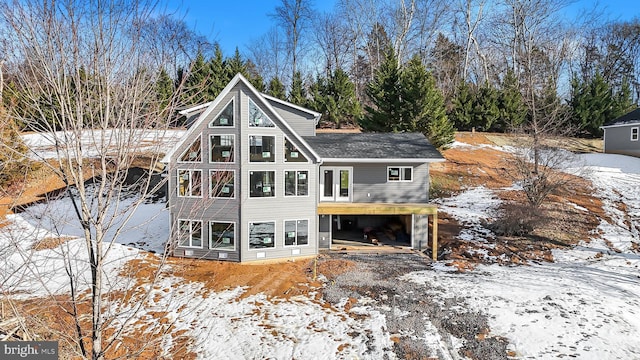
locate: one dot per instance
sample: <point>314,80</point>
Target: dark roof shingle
<point>373,146</point>
<point>632,117</point>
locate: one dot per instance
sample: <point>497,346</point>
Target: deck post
<point>434,241</point>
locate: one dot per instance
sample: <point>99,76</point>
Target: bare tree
<point>268,54</point>
<point>294,17</point>
<point>84,66</point>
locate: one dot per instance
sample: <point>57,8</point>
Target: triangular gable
<point>261,102</point>
<point>316,115</point>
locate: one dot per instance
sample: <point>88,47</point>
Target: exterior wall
<point>420,234</point>
<point>301,122</point>
<point>370,184</point>
<point>279,207</point>
<point>617,140</point>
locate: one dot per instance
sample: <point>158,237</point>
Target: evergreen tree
<point>218,75</point>
<point>384,91</point>
<point>461,113</point>
<point>276,88</point>
<point>511,104</point>
<point>254,76</point>
<point>335,98</point>
<point>164,88</point>
<point>297,94</point>
<point>197,75</point>
<point>485,110</point>
<point>235,65</point>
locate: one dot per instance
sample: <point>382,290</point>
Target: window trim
<point>233,150</point>
<point>179,161</point>
<point>400,175</point>
<point>263,113</point>
<point>210,126</point>
<point>211,188</point>
<point>275,141</point>
<point>284,183</point>
<point>191,221</point>
<point>234,235</point>
<point>275,181</point>
<point>191,171</point>
<point>284,227</point>
<point>275,234</point>
<point>637,133</point>
<point>284,154</point>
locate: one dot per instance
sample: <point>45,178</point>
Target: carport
<point>419,220</point>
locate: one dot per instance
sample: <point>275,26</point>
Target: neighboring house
<point>622,135</point>
<point>251,180</point>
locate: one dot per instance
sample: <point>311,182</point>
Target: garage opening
<point>374,230</point>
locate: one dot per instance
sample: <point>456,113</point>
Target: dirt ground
<point>464,168</point>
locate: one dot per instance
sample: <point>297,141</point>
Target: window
<point>225,118</point>
<point>261,148</point>
<point>222,235</point>
<point>262,183</point>
<point>190,183</point>
<point>257,118</point>
<point>296,232</point>
<point>193,153</point>
<point>634,134</point>
<point>190,233</point>
<point>221,148</point>
<point>291,153</point>
<point>222,183</point>
<point>262,234</point>
<point>296,183</point>
<point>401,173</point>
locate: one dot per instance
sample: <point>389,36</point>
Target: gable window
<point>190,233</point>
<point>291,153</point>
<point>225,118</point>
<point>222,235</point>
<point>634,134</point>
<point>262,234</point>
<point>296,232</point>
<point>261,148</point>
<point>262,183</point>
<point>193,153</point>
<point>222,183</point>
<point>257,118</point>
<point>190,183</point>
<point>296,183</point>
<point>221,148</point>
<point>400,173</point>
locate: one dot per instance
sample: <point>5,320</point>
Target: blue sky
<point>236,22</point>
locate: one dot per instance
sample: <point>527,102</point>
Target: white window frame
<point>179,161</point>
<point>211,190</point>
<point>275,142</point>
<point>284,182</point>
<point>234,236</point>
<point>284,228</point>
<point>401,173</point>
<point>275,182</point>
<point>211,126</point>
<point>190,234</point>
<point>285,149</point>
<point>233,150</point>
<point>190,171</point>
<point>273,240</point>
<point>263,113</point>
<point>635,135</point>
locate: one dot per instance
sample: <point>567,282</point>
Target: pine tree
<point>235,65</point>
<point>164,88</point>
<point>383,91</point>
<point>485,111</point>
<point>336,99</point>
<point>592,104</point>
<point>297,94</point>
<point>197,75</point>
<point>218,75</point>
<point>512,109</point>
<point>461,113</point>
<point>276,88</point>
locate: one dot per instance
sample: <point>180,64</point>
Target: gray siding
<point>370,184</point>
<point>301,122</point>
<point>617,140</point>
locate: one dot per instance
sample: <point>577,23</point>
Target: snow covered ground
<point>585,305</point>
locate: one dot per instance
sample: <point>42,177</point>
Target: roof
<point>388,147</point>
<point>632,117</point>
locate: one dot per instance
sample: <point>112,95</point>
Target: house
<point>622,135</point>
<point>252,180</point>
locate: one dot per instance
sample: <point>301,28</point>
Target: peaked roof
<point>316,115</point>
<point>376,147</point>
<point>632,117</point>
<point>260,98</point>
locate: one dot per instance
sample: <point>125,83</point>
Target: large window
<point>193,153</point>
<point>222,184</point>
<point>225,118</point>
<point>190,233</point>
<point>296,183</point>
<point>221,148</point>
<point>634,134</point>
<point>222,235</point>
<point>257,118</point>
<point>291,153</point>
<point>190,183</point>
<point>261,148</point>
<point>262,183</point>
<point>262,234</point>
<point>400,173</point>
<point>296,232</point>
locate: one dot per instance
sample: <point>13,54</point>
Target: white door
<point>336,183</point>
